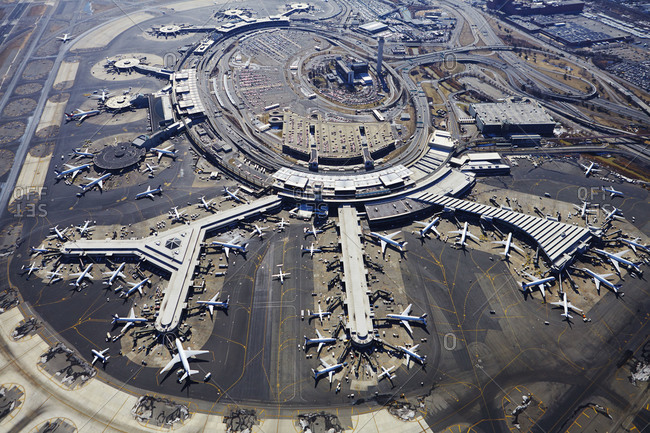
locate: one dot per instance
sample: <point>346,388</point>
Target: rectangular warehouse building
<point>512,117</point>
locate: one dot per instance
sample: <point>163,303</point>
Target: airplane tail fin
<point>115,317</point>
<point>402,245</point>
<point>243,247</point>
<point>306,340</point>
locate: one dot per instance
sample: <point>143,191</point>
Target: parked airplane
<point>84,229</point>
<point>281,225</point>
<point>617,258</point>
<point>29,269</point>
<point>60,234</point>
<point>320,314</point>
<point>175,215</point>
<point>114,275</point>
<point>37,251</point>
<point>601,278</point>
<point>134,287</point>
<point>81,153</point>
<point>616,213</point>
<point>99,355</point>
<point>429,226</point>
<point>589,168</point>
<point>259,230</point>
<point>314,231</point>
<point>73,170</point>
<point>101,94</point>
<point>281,274</point>
<point>404,318</point>
<point>321,341</point>
<point>612,192</point>
<point>311,250</point>
<point>540,283</point>
<point>463,235</point>
<point>564,303</point>
<point>634,244</point>
<point>149,193</point>
<point>165,152</point>
<point>212,302</point>
<point>182,356</point>
<point>388,240</point>
<point>508,244</point>
<point>229,246</point>
<point>150,168</point>
<point>233,195</point>
<point>327,370</point>
<point>207,205</point>
<point>81,275</point>
<point>80,115</point>
<point>65,38</point>
<point>95,181</point>
<point>386,373</point>
<point>128,321</point>
<point>583,210</point>
<point>411,353</point>
<point>54,276</point>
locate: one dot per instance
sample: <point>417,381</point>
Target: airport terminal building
<point>512,117</point>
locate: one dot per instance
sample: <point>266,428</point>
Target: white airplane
<point>81,153</point>
<point>81,275</point>
<point>634,244</point>
<point>615,214</point>
<point>29,269</point>
<point>38,251</point>
<point>328,370</point>
<point>149,193</point>
<point>182,357</point>
<point>73,170</point>
<point>321,341</point>
<point>564,303</point>
<point>53,276</point>
<point>601,278</point>
<point>281,225</point>
<point>320,314</point>
<point>386,373</point>
<point>281,274</point>
<point>405,318</point>
<point>617,258</point>
<point>589,168</point>
<point>228,246</point>
<point>314,231</point>
<point>411,353</point>
<point>311,250</point>
<point>134,287</point>
<point>540,283</point>
<point>429,227</point>
<point>258,230</point>
<point>101,94</point>
<point>83,229</point>
<point>508,244</point>
<point>207,205</point>
<point>212,302</point>
<point>385,240</point>
<point>80,115</point>
<point>583,210</point>
<point>175,215</point>
<point>165,152</point>
<point>463,235</point>
<point>612,192</point>
<point>233,195</point>
<point>114,275</point>
<point>150,168</point>
<point>95,181</point>
<point>60,234</point>
<point>65,38</point>
<point>128,321</point>
<point>99,355</point>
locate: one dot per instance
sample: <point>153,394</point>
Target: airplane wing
<point>324,363</point>
<point>557,304</point>
<point>616,265</point>
<point>320,346</point>
<point>330,375</point>
<point>383,246</point>
<point>227,251</point>
<point>456,232</point>
<point>573,307</point>
<point>160,154</point>
<point>407,310</point>
<point>211,309</point>
<point>81,119</point>
<point>126,326</point>
<point>408,358</point>
<point>407,325</point>
<point>390,236</point>
<point>318,333</point>
<point>471,235</point>
<point>597,281</point>
<point>517,248</point>
<point>435,230</point>
<point>193,353</point>
<point>95,358</point>
<point>132,313</point>
<point>175,360</point>
<point>541,289</point>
